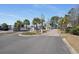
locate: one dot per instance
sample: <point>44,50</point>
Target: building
<point>74,16</point>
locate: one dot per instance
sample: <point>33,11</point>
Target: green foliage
<point>64,22</point>
<point>54,20</point>
<point>36,21</point>
<point>71,11</point>
<point>26,22</point>
<point>42,21</point>
<point>31,33</point>
<point>17,25</point>
<point>68,30</point>
<point>4,27</point>
<point>75,30</point>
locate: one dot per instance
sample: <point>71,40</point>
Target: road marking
<point>72,50</point>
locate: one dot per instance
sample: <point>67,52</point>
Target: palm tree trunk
<point>36,27</point>
<point>26,27</point>
<point>42,28</point>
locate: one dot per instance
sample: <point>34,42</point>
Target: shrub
<point>4,27</point>
<point>75,30</point>
<point>68,30</point>
<point>29,33</point>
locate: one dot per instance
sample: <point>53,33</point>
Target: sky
<point>9,13</point>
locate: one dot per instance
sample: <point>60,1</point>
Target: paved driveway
<point>13,44</point>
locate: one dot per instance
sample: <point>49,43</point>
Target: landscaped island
<point>33,32</point>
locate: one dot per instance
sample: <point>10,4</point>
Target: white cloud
<point>48,6</point>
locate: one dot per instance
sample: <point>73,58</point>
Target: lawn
<point>30,33</point>
<point>33,32</point>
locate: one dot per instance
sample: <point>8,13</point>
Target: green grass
<point>30,33</point>
<point>34,32</point>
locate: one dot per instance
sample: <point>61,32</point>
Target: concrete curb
<point>72,50</point>
<point>27,35</point>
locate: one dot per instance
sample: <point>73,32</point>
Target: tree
<point>54,21</point>
<point>71,11</point>
<point>73,16</point>
<point>36,21</point>
<point>4,27</point>
<point>64,22</point>
<point>26,22</point>
<point>17,25</point>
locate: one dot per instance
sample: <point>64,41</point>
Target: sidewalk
<point>52,32</point>
<point>73,40</point>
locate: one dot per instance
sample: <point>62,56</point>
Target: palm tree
<point>42,24</point>
<point>17,25</point>
<point>26,22</point>
<point>36,21</point>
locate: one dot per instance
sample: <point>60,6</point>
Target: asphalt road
<point>13,44</point>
